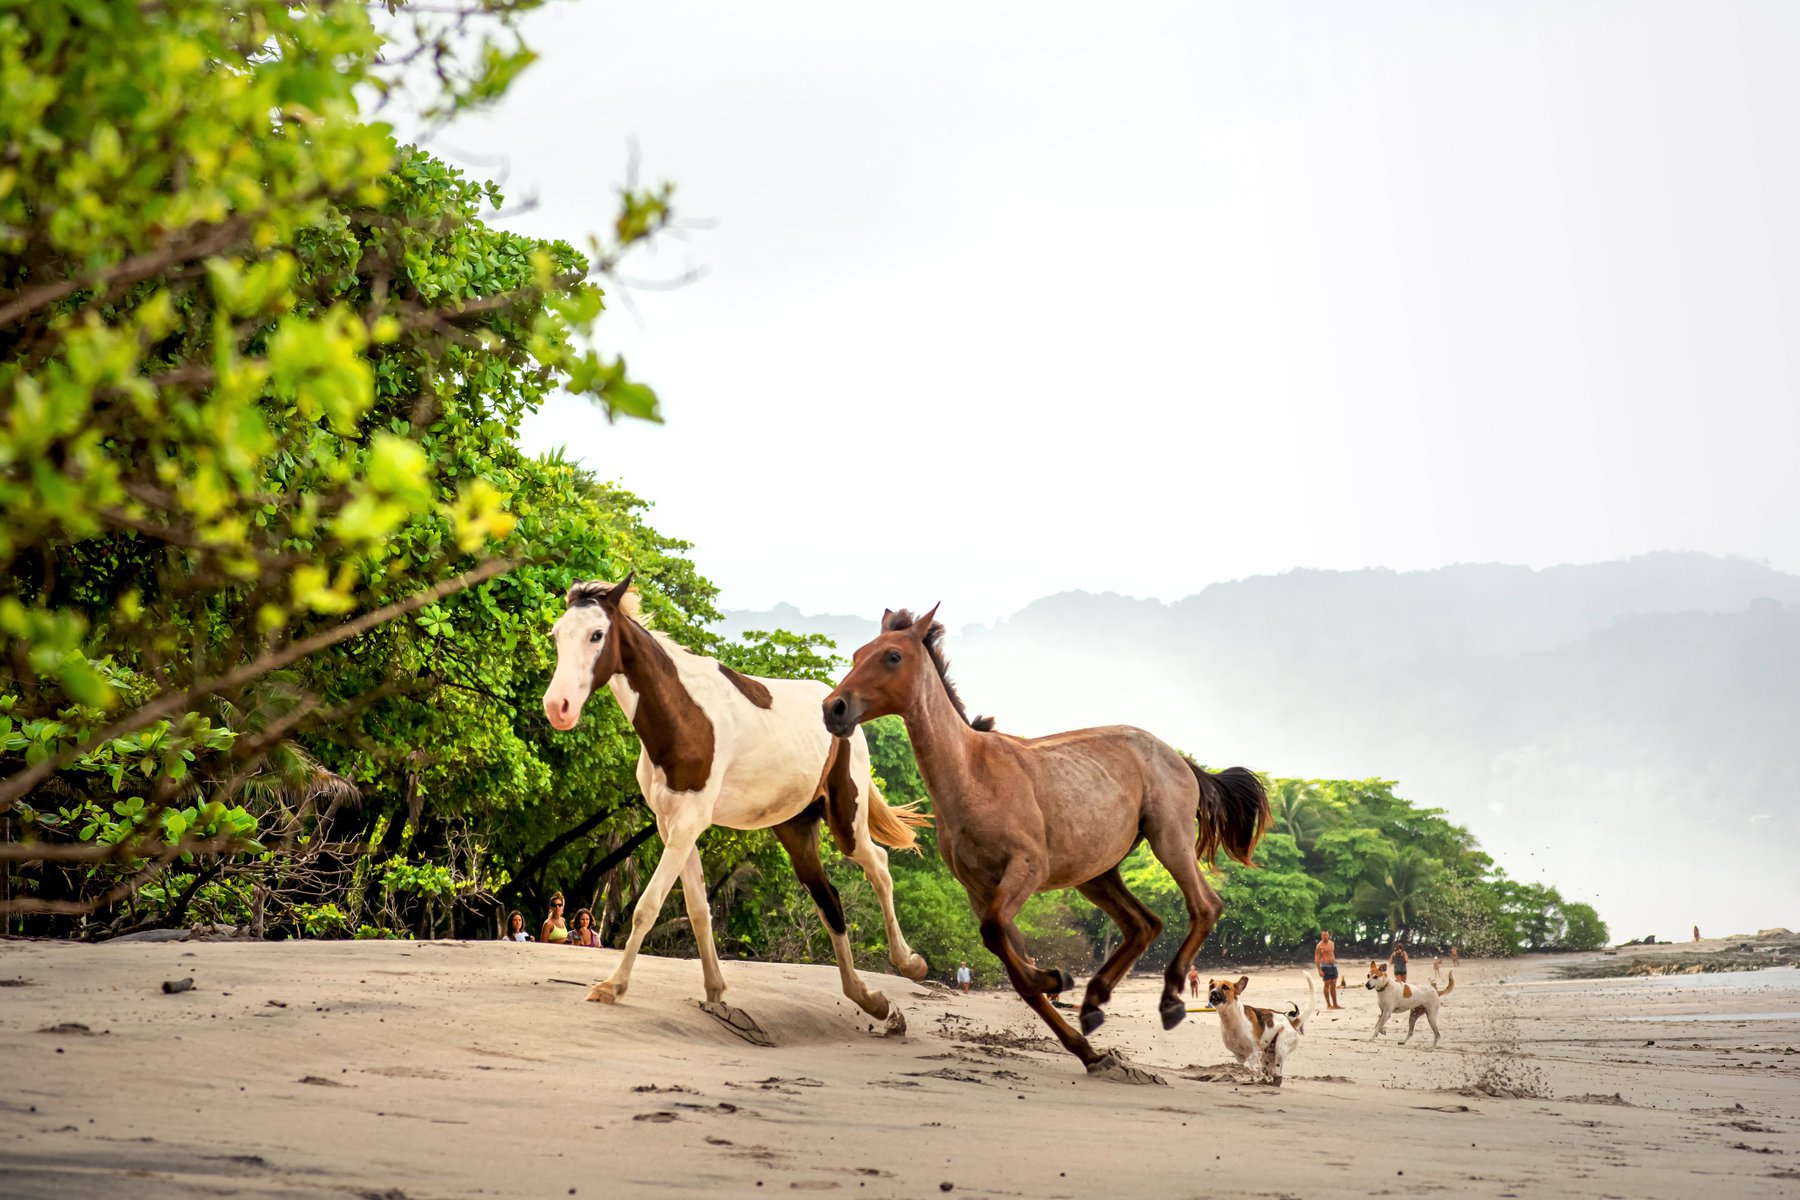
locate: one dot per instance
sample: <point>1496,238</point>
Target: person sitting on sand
<point>1325,959</point>
<point>515,927</point>
<point>555,928</point>
<point>585,934</point>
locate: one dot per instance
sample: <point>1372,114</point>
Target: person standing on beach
<point>555,928</point>
<point>1325,958</point>
<point>1194,982</point>
<point>584,933</point>
<point>963,978</point>
<point>1398,961</point>
<point>1696,933</point>
<point>1455,958</point>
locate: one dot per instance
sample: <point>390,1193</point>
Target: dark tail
<point>1234,812</point>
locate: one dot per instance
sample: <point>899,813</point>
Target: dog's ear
<point>1242,983</point>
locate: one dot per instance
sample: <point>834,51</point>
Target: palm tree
<point>1395,888</point>
<point>1298,811</point>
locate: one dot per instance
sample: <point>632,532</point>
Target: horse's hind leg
<point>874,863</point>
<point>1138,926</point>
<point>799,836</point>
<point>850,799</point>
<point>693,893</point>
<point>1173,845</point>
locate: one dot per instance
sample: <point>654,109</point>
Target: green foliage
<point>261,368</point>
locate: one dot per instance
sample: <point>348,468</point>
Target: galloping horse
<point>1016,816</point>
<point>720,748</point>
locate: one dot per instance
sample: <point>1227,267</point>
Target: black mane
<point>934,646</point>
<point>587,591</point>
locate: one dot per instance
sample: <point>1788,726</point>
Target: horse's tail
<point>1449,987</point>
<point>1234,812</point>
<point>892,824</point>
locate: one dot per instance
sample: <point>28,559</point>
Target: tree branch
<point>175,702</point>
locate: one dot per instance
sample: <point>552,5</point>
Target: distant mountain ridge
<point>1628,730</point>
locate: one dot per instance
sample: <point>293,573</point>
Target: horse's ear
<point>922,626</point>
<point>887,614</point>
<point>1242,983</point>
<point>617,593</point>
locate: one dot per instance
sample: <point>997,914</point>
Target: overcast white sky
<point>1006,299</point>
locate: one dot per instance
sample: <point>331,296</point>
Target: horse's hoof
<point>1111,1066</point>
<point>1092,1019</point>
<point>895,1025</point>
<point>917,969</point>
<point>1174,1012</point>
<point>604,993</point>
<point>736,1020</point>
<point>1065,982</point>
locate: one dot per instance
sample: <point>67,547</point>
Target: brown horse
<point>1016,816</point>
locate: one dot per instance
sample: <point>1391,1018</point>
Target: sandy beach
<point>442,1069</point>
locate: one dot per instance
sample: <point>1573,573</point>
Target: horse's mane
<point>934,646</point>
<point>589,591</point>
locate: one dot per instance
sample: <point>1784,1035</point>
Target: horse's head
<point>885,675</point>
<point>587,652</point>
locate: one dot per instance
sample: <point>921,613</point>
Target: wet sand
<point>421,1070</point>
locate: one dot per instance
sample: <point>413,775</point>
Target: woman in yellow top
<point>555,928</point>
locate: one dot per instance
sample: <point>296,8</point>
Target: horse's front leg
<point>681,833</point>
<point>693,893</point>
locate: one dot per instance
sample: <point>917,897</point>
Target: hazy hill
<point>1628,730</point>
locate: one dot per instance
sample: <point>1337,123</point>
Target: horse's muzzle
<point>560,713</point>
<point>842,715</point>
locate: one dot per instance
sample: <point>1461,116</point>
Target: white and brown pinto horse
<point>720,748</point>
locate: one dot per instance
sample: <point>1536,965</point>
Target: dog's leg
<point>1412,1023</point>
<point>1381,1025</point>
<point>1431,1015</point>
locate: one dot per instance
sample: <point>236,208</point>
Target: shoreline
<point>440,1069</point>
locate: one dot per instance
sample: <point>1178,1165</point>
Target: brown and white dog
<point>1395,995</point>
<point>1260,1033</point>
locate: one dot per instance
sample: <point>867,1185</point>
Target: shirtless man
<point>1325,958</point>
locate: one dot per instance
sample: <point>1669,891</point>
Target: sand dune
<point>404,1069</point>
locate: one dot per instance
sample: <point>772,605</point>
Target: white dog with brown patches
<point>1260,1033</point>
<point>1396,995</point>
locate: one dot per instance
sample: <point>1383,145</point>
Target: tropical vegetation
<point>275,575</point>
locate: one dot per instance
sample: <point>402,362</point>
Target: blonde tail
<point>893,825</point>
<point>1449,987</point>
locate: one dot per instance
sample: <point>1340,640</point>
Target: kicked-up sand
<point>450,1069</point>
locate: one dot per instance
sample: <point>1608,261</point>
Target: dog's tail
<point>1312,1004</point>
<point>1448,987</point>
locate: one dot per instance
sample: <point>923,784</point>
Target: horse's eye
<point>893,658</point>
<point>596,635</point>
